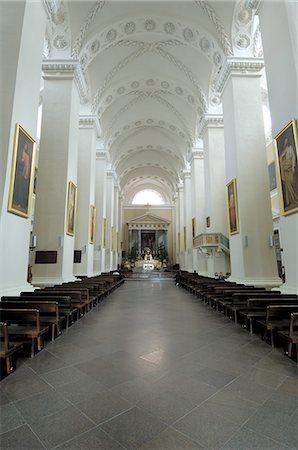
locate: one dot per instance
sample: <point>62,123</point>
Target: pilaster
<point>100,204</point>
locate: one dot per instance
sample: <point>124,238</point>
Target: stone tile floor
<point>152,369</point>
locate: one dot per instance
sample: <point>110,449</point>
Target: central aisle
<point>154,369</point>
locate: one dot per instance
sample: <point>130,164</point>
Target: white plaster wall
<point>100,203</point>
<point>181,228</point>
<point>57,165</point>
<point>280,54</point>
<point>188,222</point>
<point>86,194</point>
<point>22,75</point>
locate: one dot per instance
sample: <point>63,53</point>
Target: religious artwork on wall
<point>179,242</point>
<point>104,232</point>
<point>208,223</point>
<point>193,226</point>
<point>272,176</point>
<point>184,234</point>
<point>286,143</point>
<point>22,173</point>
<point>92,223</point>
<point>112,239</point>
<point>117,241</point>
<point>71,209</point>
<point>232,206</point>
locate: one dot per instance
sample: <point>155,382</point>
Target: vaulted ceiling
<point>150,68</point>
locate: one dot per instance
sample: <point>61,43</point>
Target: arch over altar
<point>147,240</point>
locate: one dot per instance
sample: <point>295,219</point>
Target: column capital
<point>238,67</point>
<point>210,121</point>
<point>111,173</point>
<point>186,174</point>
<point>89,122</point>
<point>66,69</point>
<point>102,154</point>
<point>197,153</point>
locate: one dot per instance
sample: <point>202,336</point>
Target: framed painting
<point>286,143</point>
<point>193,225</point>
<point>184,238</point>
<point>208,223</point>
<point>71,209</point>
<point>179,242</point>
<point>112,239</point>
<point>92,223</point>
<point>22,173</point>
<point>272,176</point>
<point>104,232</point>
<point>232,206</point>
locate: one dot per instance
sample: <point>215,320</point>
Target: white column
<point>88,132</point>
<point>19,93</point>
<point>57,166</point>
<point>198,206</point>
<point>100,204</point>
<point>181,225</point>
<point>215,196</point>
<point>175,229</point>
<point>253,261</point>
<point>280,50</point>
<point>188,221</point>
<point>116,224</point>
<point>120,228</point>
<point>110,218</point>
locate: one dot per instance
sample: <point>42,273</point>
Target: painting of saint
<point>71,209</point>
<point>22,173</point>
<point>286,156</point>
<point>92,223</point>
<point>232,207</point>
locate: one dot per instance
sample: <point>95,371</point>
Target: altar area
<point>148,262</point>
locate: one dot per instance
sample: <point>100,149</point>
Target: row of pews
<point>271,314</point>
<point>31,318</point>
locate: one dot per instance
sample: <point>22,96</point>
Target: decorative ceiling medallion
<point>60,42</point>
<point>244,16</point>
<point>191,99</point>
<point>129,27</point>
<point>179,90</point>
<point>150,82</point>
<point>149,121</point>
<point>169,28</point>
<point>242,41</point>
<point>165,84</point>
<point>161,123</point>
<point>95,46</point>
<point>111,35</point>
<point>58,18</point>
<point>172,127</point>
<point>83,60</point>
<point>217,58</point>
<point>150,25</point>
<point>138,123</point>
<point>121,90</point>
<point>188,34</point>
<point>135,84</point>
<point>127,127</point>
<point>204,44</point>
<point>109,98</point>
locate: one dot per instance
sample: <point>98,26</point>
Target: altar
<point>148,263</point>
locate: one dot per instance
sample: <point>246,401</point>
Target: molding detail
<point>90,122</point>
<point>67,69</point>
<point>225,42</point>
<point>210,121</point>
<point>240,67</point>
<point>197,154</point>
<point>243,24</point>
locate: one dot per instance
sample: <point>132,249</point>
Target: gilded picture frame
<point>179,242</point>
<point>193,227</point>
<point>92,224</point>
<point>71,209</point>
<point>112,239</point>
<point>232,207</point>
<point>22,173</point>
<point>104,232</point>
<point>286,144</point>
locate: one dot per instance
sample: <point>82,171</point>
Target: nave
<point>152,368</point>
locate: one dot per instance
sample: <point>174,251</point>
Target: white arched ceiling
<point>150,69</point>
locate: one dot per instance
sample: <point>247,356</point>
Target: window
<point>148,196</point>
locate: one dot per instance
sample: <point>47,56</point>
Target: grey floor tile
<point>45,361</point>
<point>37,406</point>
<point>79,391</point>
<point>167,405</point>
<point>93,439</point>
<point>65,375</point>
<point>170,439</point>
<point>22,383</point>
<point>214,377</point>
<point>205,427</point>
<point>102,407</point>
<point>282,401</point>
<point>3,398</point>
<point>133,428</point>
<point>246,439</point>
<point>10,417</point>
<point>20,438</point>
<point>132,390</point>
<point>62,426</point>
<point>249,391</point>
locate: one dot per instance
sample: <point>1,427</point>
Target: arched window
<point>148,196</point>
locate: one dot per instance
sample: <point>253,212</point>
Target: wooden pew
<point>78,297</point>
<point>290,335</point>
<point>7,347</point>
<point>64,303</point>
<point>24,324</point>
<point>277,317</point>
<point>48,310</point>
<point>256,308</point>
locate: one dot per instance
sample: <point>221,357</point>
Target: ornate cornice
<point>239,67</point>
<point>210,121</point>
<point>197,153</point>
<point>90,122</point>
<point>66,69</point>
<point>186,174</point>
<point>102,154</point>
